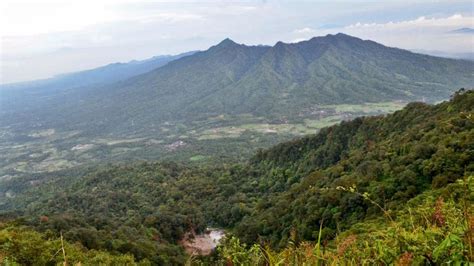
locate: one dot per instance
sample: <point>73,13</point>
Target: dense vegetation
<point>350,179</point>
<point>225,102</point>
<point>22,246</point>
<point>142,209</point>
<point>279,82</point>
<point>434,228</point>
<point>392,158</point>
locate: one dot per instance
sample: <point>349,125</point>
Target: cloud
<point>30,18</point>
<point>299,40</point>
<point>454,21</point>
<point>26,18</point>
<point>170,17</point>
<point>423,32</point>
<point>305,30</point>
<point>303,34</point>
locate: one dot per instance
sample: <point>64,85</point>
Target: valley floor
<point>228,138</point>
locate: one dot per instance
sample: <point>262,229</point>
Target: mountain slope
<point>281,196</point>
<point>392,158</point>
<point>289,79</point>
<point>286,80</point>
<point>231,98</point>
<point>101,75</point>
<point>44,97</point>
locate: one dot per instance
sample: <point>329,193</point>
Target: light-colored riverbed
<point>202,244</point>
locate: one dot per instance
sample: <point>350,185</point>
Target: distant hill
<point>279,82</point>
<point>102,75</point>
<point>289,79</point>
<point>464,56</point>
<point>463,31</point>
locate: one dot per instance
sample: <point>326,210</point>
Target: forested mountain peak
<point>233,90</point>
<point>284,80</point>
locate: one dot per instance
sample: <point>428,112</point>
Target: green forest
<point>224,102</point>
<point>388,189</point>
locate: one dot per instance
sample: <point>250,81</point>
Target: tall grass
<point>434,228</point>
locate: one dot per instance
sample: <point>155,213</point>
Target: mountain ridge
<point>276,82</point>
<point>284,80</point>
<point>108,73</point>
<point>214,102</point>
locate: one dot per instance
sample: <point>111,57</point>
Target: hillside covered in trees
<point>223,102</point>
<point>282,81</point>
<point>372,190</point>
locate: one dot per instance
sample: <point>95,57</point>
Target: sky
<point>40,39</point>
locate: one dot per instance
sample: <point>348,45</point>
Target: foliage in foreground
<point>20,245</point>
<point>434,228</point>
<point>287,194</point>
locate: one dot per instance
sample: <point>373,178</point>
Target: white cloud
<point>454,21</point>
<point>30,18</point>
<point>304,34</point>
<point>299,40</point>
<point>26,18</point>
<point>422,33</point>
<point>305,30</point>
<point>169,17</point>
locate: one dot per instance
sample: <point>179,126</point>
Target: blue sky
<point>43,38</point>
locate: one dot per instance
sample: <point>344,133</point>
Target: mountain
<point>464,56</point>
<point>102,75</point>
<point>229,99</point>
<point>463,31</point>
<point>44,97</point>
<point>352,180</point>
<point>285,80</point>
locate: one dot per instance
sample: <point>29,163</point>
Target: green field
<point>213,139</point>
